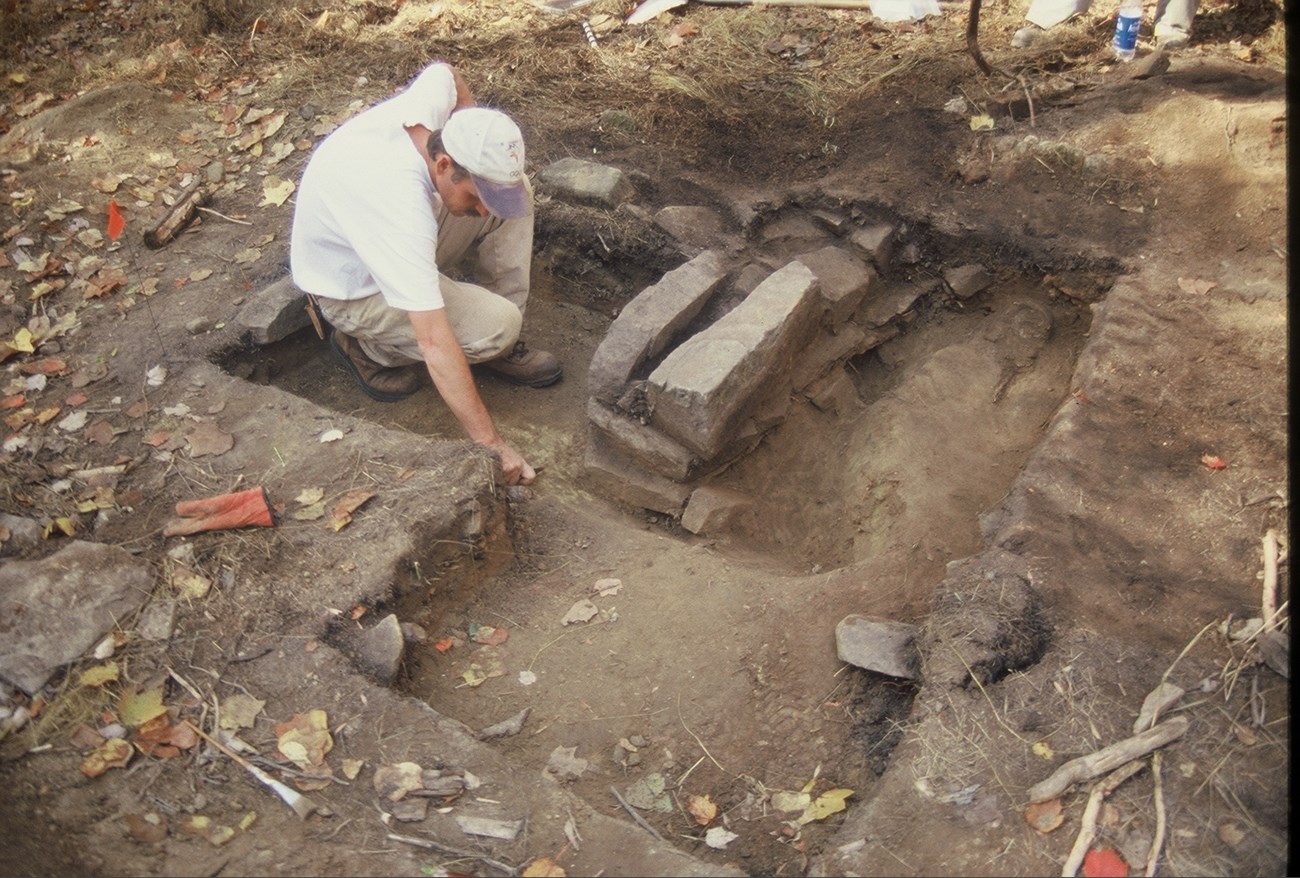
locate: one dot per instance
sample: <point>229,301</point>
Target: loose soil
<point>716,654</point>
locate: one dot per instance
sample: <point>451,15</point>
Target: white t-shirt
<point>364,220</point>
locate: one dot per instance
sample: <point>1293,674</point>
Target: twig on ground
<point>223,216</point>
<point>455,852</point>
<point>682,720</point>
<point>301,805</point>
<point>1269,602</point>
<point>971,673</point>
<point>640,821</point>
<point>1107,759</point>
<point>1153,857</point>
<point>1033,119</point>
<point>1088,823</point>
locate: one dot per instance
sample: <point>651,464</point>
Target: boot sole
<point>377,395</point>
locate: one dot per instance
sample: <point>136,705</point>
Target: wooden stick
<point>1088,823</point>
<point>1153,856</point>
<point>635,816</point>
<point>1269,602</point>
<point>1107,759</point>
<point>301,805</point>
<point>429,845</point>
<point>179,216</point>
<point>973,39</point>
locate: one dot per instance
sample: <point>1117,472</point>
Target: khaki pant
<point>486,316</point>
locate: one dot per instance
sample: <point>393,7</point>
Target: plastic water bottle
<point>1127,22</point>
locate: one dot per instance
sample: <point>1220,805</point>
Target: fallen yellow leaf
<point>543,867</point>
<point>137,708</point>
<point>828,803</point>
<point>107,673</point>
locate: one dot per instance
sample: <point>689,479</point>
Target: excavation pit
<point>842,457</point>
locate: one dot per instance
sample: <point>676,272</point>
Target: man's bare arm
<point>451,375</point>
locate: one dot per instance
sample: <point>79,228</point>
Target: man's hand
<point>516,469</point>
<point>450,373</point>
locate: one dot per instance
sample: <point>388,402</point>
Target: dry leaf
<point>204,827</point>
<point>309,513</point>
<point>1045,816</point>
<point>347,504</point>
<point>703,809</point>
<point>160,738</point>
<point>107,673</point>
<point>188,584</point>
<point>579,612</point>
<point>240,711</point>
<point>208,439</point>
<point>149,828</point>
<point>305,739</point>
<point>828,803</point>
<point>113,753</point>
<point>543,867</point>
<point>137,708</point>
<point>276,190</point>
<point>1231,834</point>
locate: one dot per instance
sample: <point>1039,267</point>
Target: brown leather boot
<point>384,383</point>
<point>523,366</point>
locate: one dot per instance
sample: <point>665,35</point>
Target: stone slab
<point>893,301</point>
<point>700,389</point>
<point>879,645</point>
<point>645,445</point>
<point>692,225</point>
<point>619,480</point>
<point>967,280</point>
<point>876,243</point>
<point>54,609</point>
<point>571,179</point>
<point>712,510</point>
<point>844,280</point>
<point>274,312</point>
<point>648,323</point>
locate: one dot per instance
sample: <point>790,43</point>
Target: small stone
<point>411,809</point>
<point>413,633</point>
<point>967,280</point>
<point>879,645</point>
<point>379,649</point>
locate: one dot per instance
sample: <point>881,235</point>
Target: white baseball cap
<point>489,145</point>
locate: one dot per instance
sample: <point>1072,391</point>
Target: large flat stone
<point>626,483</point>
<point>54,609</point>
<point>712,510</point>
<point>843,278</point>
<point>890,302</point>
<point>645,445</point>
<point>274,312</point>
<point>706,384</point>
<point>571,179</point>
<point>879,645</point>
<point>647,323</point>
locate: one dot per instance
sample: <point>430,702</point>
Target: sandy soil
<point>1046,436</point>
